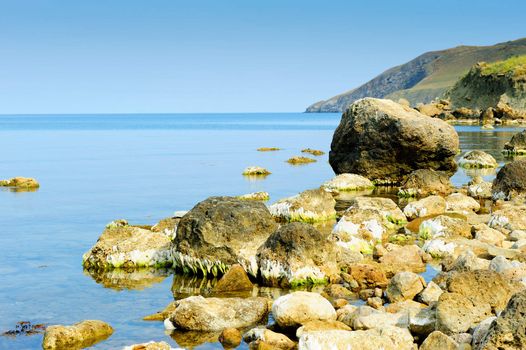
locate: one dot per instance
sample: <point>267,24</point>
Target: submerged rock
<point>348,182</point>
<point>314,152</point>
<point>510,180</point>
<point>216,314</point>
<point>256,170</point>
<point>297,254</point>
<point>80,335</point>
<point>426,182</point>
<point>125,246</point>
<point>477,159</point>
<point>308,206</point>
<point>295,309</point>
<point>20,183</point>
<point>219,232</point>
<point>386,141</point>
<point>300,160</point>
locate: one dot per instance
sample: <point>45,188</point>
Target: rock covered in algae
<point>314,152</point>
<point>477,159</point>
<point>21,183</point>
<point>125,246</point>
<point>300,160</point>
<point>219,232</point>
<point>78,336</point>
<point>255,196</point>
<point>256,170</point>
<point>216,314</point>
<point>308,206</point>
<point>297,254</point>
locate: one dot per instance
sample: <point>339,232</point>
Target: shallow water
<point>94,169</point>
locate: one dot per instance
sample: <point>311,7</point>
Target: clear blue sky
<point>90,56</point>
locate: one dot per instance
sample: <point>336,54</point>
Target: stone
<point>297,254</point>
<point>123,246</point>
<point>314,152</point>
<point>390,338</point>
<point>230,338</point>
<point>432,205</point>
<point>481,330</point>
<point>317,326</point>
<point>256,171</point>
<point>404,286</point>
<point>426,182</point>
<point>162,315</point>
<point>455,313</point>
<point>80,335</point>
<point>375,302</point>
<point>439,248</point>
<point>478,188</point>
<point>386,141</point>
<point>366,317</point>
<point>423,321</point>
<point>484,233</point>
<point>367,221</point>
<point>444,226</point>
<point>513,270</point>
<point>517,144</point>
<point>459,202</point>
<point>300,160</point>
<point>151,346</point>
<point>509,218</point>
<point>167,226</point>
<point>430,294</point>
<point>219,232</point>
<point>196,313</point>
<point>507,331</point>
<point>477,159</point>
<point>348,182</point>
<point>255,196</point>
<point>308,206</point>
<point>297,308</point>
<point>467,261</point>
<point>517,235</point>
<point>438,341</point>
<point>235,279</point>
<point>338,291</point>
<point>274,340</point>
<point>368,275</point>
<point>20,183</point>
<point>510,180</point>
<point>403,258</point>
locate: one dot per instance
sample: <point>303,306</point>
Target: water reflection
<point>120,279</point>
<point>191,339</point>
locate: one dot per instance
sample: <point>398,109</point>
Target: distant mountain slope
<point>424,78</point>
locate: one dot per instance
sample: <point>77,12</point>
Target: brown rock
<point>230,338</point>
<point>236,279</point>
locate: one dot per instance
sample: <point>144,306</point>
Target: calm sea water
<point>97,168</point>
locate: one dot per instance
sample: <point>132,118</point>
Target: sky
<point>171,56</point>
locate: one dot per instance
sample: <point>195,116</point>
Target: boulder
<point>438,341</point>
<point>78,336</point>
<point>219,232</point>
<point>297,254</point>
<point>20,183</point>
<point>316,326</point>
<point>403,258</point>
<point>125,246</point>
<point>366,317</point>
<point>308,206</point>
<point>513,270</point>
<point>367,221</point>
<point>423,321</point>
<point>234,280</point>
<point>509,218</point>
<point>439,248</point>
<point>466,261</point>
<point>389,338</point>
<point>430,294</point>
<point>510,180</point>
<point>455,313</point>
<point>367,276</point>
<point>484,233</point>
<point>477,159</point>
<point>230,338</point>
<point>348,182</point>
<point>444,226</point>
<point>274,340</point>
<point>297,308</point>
<point>517,144</point>
<point>481,330</point>
<point>386,141</point>
<point>426,182</point>
<point>196,313</point>
<point>478,188</point>
<point>459,202</point>
<point>256,171</point>
<point>404,286</point>
<point>508,330</point>
<point>432,205</point>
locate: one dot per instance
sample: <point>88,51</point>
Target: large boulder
<point>455,313</point>
<point>459,202</point>
<point>403,258</point>
<point>297,254</point>
<point>444,226</point>
<point>78,336</point>
<point>508,330</point>
<point>432,205</point>
<point>510,180</point>
<point>367,221</point>
<point>477,159</point>
<point>219,232</point>
<point>517,144</point>
<point>308,206</point>
<point>216,314</point>
<point>386,141</point>
<point>125,246</point>
<point>426,182</point>
<point>295,309</point>
<point>404,285</point>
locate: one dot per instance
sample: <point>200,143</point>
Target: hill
<point>424,78</point>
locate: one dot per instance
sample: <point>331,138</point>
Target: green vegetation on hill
<point>424,78</point>
<point>515,65</point>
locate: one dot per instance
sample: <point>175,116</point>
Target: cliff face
<point>500,85</point>
<point>424,78</point>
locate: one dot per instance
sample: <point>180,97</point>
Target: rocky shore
<point>432,269</point>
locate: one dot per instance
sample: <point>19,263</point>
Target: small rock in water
<point>80,335</point>
<point>268,149</point>
<point>314,152</point>
<point>25,328</point>
<point>230,338</point>
<point>235,279</point>
<point>256,170</point>
<point>21,183</point>
<point>151,346</point>
<point>300,160</point>
<point>477,159</point>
